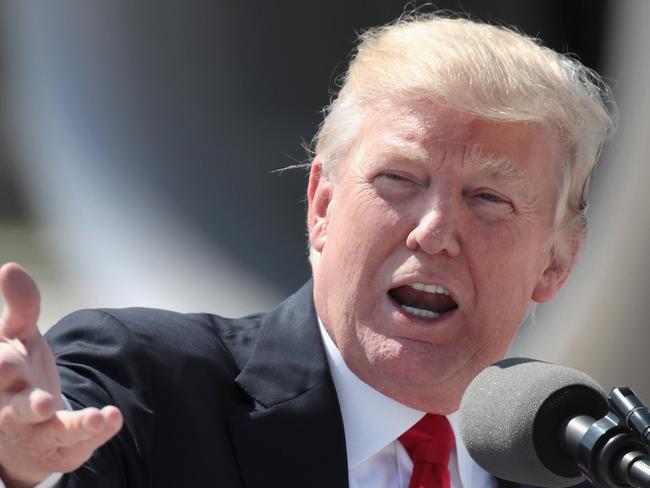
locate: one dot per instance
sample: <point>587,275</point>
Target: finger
<point>22,303</point>
<point>32,405</point>
<point>81,451</point>
<point>12,368</point>
<point>67,428</point>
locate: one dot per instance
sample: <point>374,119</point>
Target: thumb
<point>22,303</point>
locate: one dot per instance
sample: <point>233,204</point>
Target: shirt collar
<point>363,408</point>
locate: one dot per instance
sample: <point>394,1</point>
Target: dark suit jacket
<point>207,401</point>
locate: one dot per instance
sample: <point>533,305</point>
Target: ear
<point>319,197</point>
<point>556,273</point>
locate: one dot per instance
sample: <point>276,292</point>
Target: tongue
<point>434,302</point>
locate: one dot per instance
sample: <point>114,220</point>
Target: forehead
<point>430,132</point>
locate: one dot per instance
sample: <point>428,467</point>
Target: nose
<point>436,231</point>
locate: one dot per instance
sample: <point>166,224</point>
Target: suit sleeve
<point>103,362</point>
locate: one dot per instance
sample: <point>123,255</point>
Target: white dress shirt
<point>373,422</point>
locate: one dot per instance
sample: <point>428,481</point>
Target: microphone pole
<point>607,453</point>
<point>613,449</point>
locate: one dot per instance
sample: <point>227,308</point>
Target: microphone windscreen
<point>511,417</point>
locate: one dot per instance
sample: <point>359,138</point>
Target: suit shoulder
<point>158,332</point>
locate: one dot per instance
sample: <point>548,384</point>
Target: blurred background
<point>139,143</point>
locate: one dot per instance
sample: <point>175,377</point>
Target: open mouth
<point>425,301</point>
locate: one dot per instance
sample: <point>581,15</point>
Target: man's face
<point>435,235</point>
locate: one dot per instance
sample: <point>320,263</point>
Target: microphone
<point>514,420</point>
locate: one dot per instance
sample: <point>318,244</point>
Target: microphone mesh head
<point>497,420</point>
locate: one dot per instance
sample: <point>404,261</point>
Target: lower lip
<point>416,319</point>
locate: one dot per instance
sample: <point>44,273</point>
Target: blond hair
<point>490,71</point>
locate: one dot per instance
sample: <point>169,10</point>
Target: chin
<point>416,365</point>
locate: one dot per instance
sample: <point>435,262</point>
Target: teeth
<point>427,314</point>
<point>429,288</point>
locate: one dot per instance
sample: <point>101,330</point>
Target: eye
<point>391,185</point>
<point>490,205</point>
<point>392,176</point>
<point>390,179</point>
<point>491,197</point>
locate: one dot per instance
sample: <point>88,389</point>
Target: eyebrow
<point>493,164</point>
<point>410,152</point>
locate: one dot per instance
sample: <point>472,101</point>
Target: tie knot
<point>430,440</point>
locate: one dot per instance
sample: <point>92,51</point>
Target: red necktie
<point>429,443</point>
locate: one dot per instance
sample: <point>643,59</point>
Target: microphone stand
<point>612,452</point>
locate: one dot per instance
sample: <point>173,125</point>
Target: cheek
<point>501,308</point>
<point>504,252</point>
<point>505,271</point>
<point>367,226</point>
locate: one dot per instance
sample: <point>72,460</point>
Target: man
<point>445,198</point>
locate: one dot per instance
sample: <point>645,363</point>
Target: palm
<point>38,436</point>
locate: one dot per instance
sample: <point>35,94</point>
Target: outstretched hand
<point>38,436</point>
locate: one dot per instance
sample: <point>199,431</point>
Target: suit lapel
<point>295,437</point>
